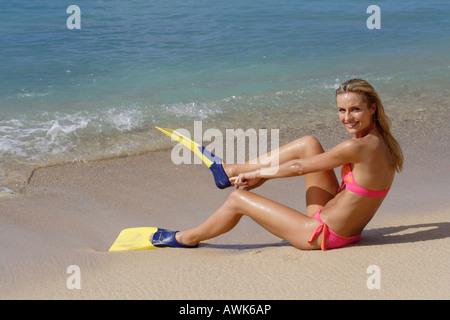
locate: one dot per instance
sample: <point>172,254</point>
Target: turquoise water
<point>97,92</point>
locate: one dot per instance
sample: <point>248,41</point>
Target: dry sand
<point>70,215</point>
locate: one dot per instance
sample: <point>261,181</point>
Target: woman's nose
<point>347,116</point>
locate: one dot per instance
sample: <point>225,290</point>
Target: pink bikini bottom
<point>331,239</point>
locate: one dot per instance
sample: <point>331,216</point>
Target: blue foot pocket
<point>220,177</point>
<point>164,238</point>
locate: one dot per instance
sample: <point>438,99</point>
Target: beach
<point>81,160</point>
<point>70,214</point>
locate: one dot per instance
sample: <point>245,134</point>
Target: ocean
<point>97,92</point>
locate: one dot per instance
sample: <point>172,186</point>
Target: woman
<point>335,215</point>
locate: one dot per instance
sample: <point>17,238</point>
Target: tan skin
<point>345,212</point>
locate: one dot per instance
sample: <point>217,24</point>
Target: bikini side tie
<point>317,232</point>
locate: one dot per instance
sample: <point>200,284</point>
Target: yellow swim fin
<point>210,160</point>
<point>138,239</point>
<point>191,145</point>
<point>134,239</point>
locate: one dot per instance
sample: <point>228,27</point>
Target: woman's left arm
<point>349,151</point>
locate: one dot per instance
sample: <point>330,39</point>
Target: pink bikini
<point>334,240</point>
<point>349,183</point>
<point>331,239</point>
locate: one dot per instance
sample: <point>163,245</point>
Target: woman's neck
<point>367,131</point>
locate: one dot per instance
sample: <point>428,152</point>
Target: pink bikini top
<point>349,183</point>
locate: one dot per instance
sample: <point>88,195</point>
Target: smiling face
<point>354,112</point>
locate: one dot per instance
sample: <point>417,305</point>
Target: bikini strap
<point>317,232</point>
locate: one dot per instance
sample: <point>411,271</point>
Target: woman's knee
<point>239,201</point>
<point>312,141</point>
<point>308,146</point>
<point>238,195</point>
<point>235,198</point>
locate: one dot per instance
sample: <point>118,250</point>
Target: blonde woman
<point>335,214</point>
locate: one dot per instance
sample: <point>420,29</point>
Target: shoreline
<point>70,214</point>
<point>15,173</point>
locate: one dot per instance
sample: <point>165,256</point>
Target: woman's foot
<point>164,238</point>
<point>217,169</point>
<point>228,168</point>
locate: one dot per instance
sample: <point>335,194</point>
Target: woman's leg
<point>320,187</point>
<point>296,149</point>
<point>284,222</point>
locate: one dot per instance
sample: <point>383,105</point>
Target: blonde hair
<point>380,118</point>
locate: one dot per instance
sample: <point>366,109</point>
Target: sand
<point>70,215</point>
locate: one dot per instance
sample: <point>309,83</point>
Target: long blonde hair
<point>380,118</point>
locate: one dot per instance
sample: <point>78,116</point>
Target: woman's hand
<point>249,180</point>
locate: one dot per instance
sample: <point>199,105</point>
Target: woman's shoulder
<point>366,149</point>
<point>351,147</point>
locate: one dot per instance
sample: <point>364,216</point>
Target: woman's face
<point>354,112</point>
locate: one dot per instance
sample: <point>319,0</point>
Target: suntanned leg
<point>320,187</point>
<point>282,221</point>
<point>293,150</point>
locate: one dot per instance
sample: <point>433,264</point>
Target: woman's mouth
<point>351,125</point>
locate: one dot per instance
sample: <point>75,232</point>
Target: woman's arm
<point>346,152</point>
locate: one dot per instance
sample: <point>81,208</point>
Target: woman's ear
<point>373,108</point>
